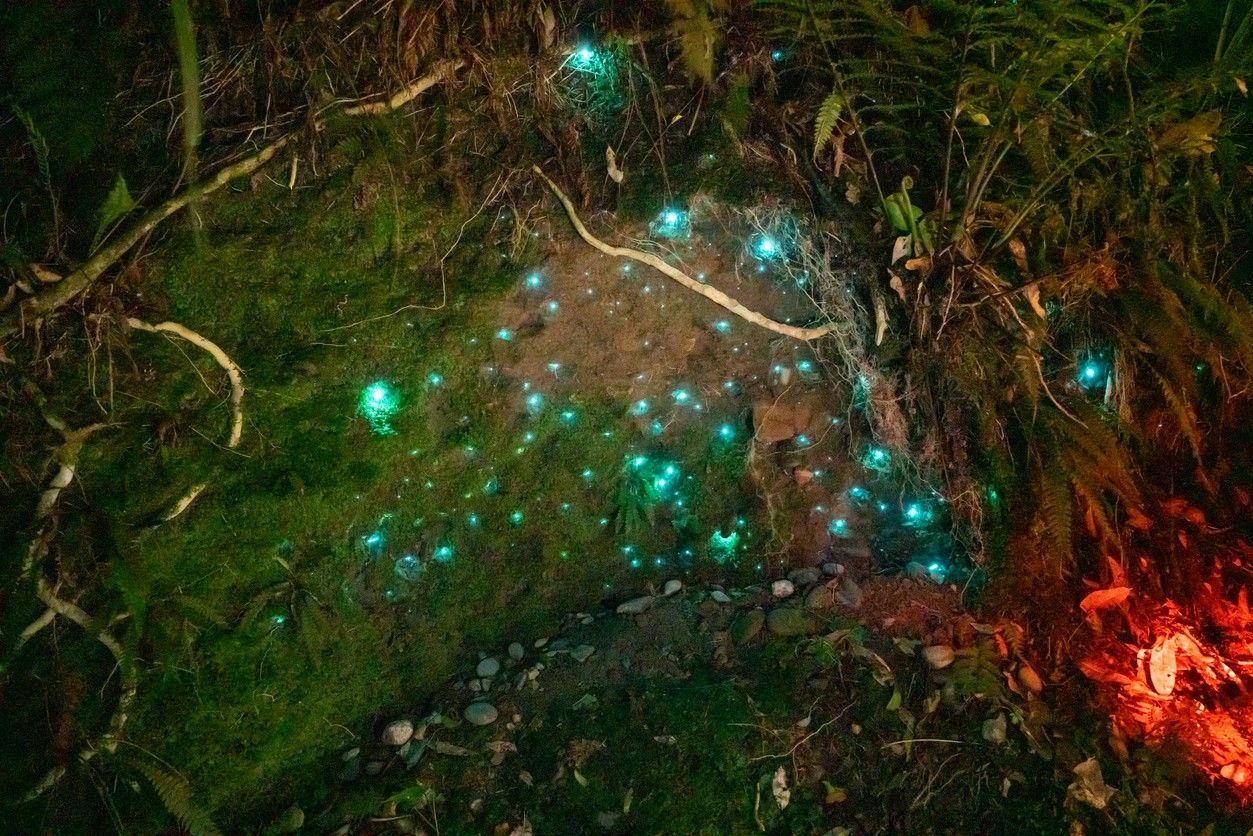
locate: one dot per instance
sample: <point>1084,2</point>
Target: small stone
<point>819,598</point>
<point>476,685</point>
<point>915,570</point>
<point>516,651</point>
<point>672,586</point>
<point>938,656</point>
<point>582,653</point>
<point>587,619</point>
<point>792,621</point>
<point>481,713</point>
<point>832,570</point>
<point>747,625</point>
<point>350,754</point>
<point>540,642</point>
<point>635,606</point>
<point>720,596</point>
<point>849,594</point>
<point>486,683</point>
<point>782,589</point>
<point>559,645</point>
<point>488,668</point>
<point>803,577</point>
<point>994,729</point>
<point>397,732</point>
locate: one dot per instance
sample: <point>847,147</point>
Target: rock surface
<point>782,589</point>
<point>635,606</point>
<point>488,667</point>
<point>747,625</point>
<point>792,621</point>
<point>481,713</point>
<point>397,732</point>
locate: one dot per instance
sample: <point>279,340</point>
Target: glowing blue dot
<point>626,268</point>
<point>805,366</point>
<point>473,520</point>
<point>680,395</point>
<point>588,474</point>
<point>534,280</point>
<point>435,378</point>
<point>671,217</point>
<point>443,553</point>
<point>375,539</point>
<point>554,367</point>
<point>504,334</point>
<point>838,526</point>
<point>636,563</point>
<point>640,407</point>
<point>802,440</point>
<point>567,416</point>
<point>913,511</point>
<point>765,246</point>
<point>278,619</point>
<point>776,55</point>
<point>726,432</point>
<point>528,437</point>
<point>586,54</point>
<point>722,326</point>
<point>638,462</point>
<point>552,306</point>
<point>657,428</point>
<point>534,402</point>
<point>936,567</point>
<point>516,518</point>
<point>628,549</point>
<point>671,470</point>
<point>565,506</point>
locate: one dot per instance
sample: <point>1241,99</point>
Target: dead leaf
<point>578,776</point>
<point>916,22</point>
<point>1241,86</point>
<point>896,284</point>
<point>1098,671</point>
<point>880,319</point>
<point>835,795</point>
<point>1032,294</point>
<point>900,248</point>
<point>1162,665</point>
<point>1104,598</point>
<point>980,119</point>
<point>920,264</point>
<point>1194,137</point>
<point>449,749</point>
<point>852,194</point>
<point>45,276</point>
<point>782,795</point>
<point>1019,251</point>
<point>1090,787</point>
<point>611,159</point>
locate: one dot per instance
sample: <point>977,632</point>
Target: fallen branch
<point>711,293</point>
<point>39,306</point>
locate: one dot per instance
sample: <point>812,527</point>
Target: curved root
<point>711,293</point>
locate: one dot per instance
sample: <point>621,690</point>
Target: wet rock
<point>540,642</point>
<point>516,651</point>
<point>832,570</point>
<point>397,732</point>
<point>994,729</point>
<point>938,656</point>
<point>559,645</point>
<point>803,577</point>
<point>849,594</point>
<point>915,570</point>
<point>488,668</point>
<point>587,619</point>
<point>476,685</point>
<point>819,598</point>
<point>672,586</point>
<point>720,596</point>
<point>635,606</point>
<point>582,653</point>
<point>782,589</point>
<point>747,625</point>
<point>481,713</point>
<point>792,621</point>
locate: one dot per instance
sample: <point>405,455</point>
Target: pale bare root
<point>227,364</point>
<point>711,293</point>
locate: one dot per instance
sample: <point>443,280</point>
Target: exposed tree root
<point>232,370</point>
<point>39,306</point>
<point>710,293</point>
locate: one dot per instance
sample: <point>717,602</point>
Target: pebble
<point>938,656</point>
<point>747,625</point>
<point>582,652</point>
<point>540,642</point>
<point>819,598</point>
<point>489,667</point>
<point>397,732</point>
<point>635,606</point>
<point>994,729</point>
<point>792,621</point>
<point>516,651</point>
<point>672,586</point>
<point>720,596</point>
<point>782,589</point>
<point>481,713</point>
<point>832,570</point>
<point>476,685</point>
<point>587,619</point>
<point>849,594</point>
<point>803,577</point>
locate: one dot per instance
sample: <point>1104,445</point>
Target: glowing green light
<point>657,428</point>
<point>766,247</point>
<point>473,520</point>
<point>805,366</point>
<point>567,416</point>
<point>588,474</point>
<point>443,553</point>
<point>726,432</point>
<point>516,518</point>
<point>435,378</point>
<point>534,402</point>
<point>504,334</point>
<point>534,281</point>
<point>639,408</point>
<point>554,367</point>
<point>278,619</point>
<point>551,306</point>
<point>776,55</point>
<point>681,396</point>
<point>638,462</point>
<point>584,59</point>
<point>377,404</point>
<point>802,440</point>
<point>859,493</point>
<point>723,546</point>
<point>528,437</point>
<point>636,563</point>
<point>722,326</point>
<point>936,567</point>
<point>671,223</point>
<point>877,458</point>
<point>838,527</point>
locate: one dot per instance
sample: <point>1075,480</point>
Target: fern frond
<point>175,794</point>
<point>824,123</point>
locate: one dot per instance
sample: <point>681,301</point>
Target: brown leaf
<point>1162,665</point>
<point>1241,86</point>
<point>1104,598</point>
<point>896,284</point>
<point>1019,250</point>
<point>1192,138</point>
<point>900,248</point>
<point>1098,671</point>
<point>921,263</point>
<point>1032,294</point>
<point>611,159</point>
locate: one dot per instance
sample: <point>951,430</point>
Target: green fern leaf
<point>175,794</point>
<point>824,124</point>
<point>118,204</point>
